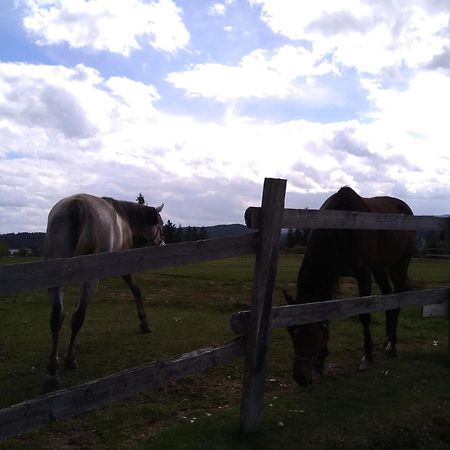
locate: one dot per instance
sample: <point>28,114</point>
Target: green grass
<point>401,403</point>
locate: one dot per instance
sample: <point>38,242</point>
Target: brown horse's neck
<point>329,255</point>
<point>317,279</point>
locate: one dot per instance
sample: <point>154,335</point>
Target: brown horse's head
<point>310,349</point>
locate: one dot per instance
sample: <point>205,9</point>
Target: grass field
<point>401,403</point>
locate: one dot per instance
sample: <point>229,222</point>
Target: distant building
<point>20,252</point>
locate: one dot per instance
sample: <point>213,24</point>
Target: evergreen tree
<point>180,234</point>
<point>140,199</point>
<point>299,237</point>
<point>290,242</point>
<point>188,234</point>
<point>170,233</point>
<point>3,248</point>
<point>203,234</point>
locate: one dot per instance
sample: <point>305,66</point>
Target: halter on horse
<point>330,254</point>
<point>82,225</point>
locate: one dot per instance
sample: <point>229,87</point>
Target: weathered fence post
<point>447,245</point>
<point>448,343</point>
<point>259,336</point>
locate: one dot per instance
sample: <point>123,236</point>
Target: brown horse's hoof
<point>70,364</point>
<point>144,327</point>
<point>390,351</point>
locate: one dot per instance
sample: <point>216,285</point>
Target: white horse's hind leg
<point>87,291</point>
<point>56,321</point>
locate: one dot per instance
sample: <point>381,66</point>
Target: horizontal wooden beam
<point>286,316</point>
<point>66,403</point>
<point>439,309</point>
<point>311,218</point>
<point>58,272</point>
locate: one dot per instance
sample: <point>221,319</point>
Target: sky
<point>193,103</point>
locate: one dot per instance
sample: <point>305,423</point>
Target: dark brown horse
<point>84,224</point>
<point>330,254</point>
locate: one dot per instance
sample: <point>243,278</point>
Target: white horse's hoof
<point>70,364</point>
<point>51,384</point>
<point>365,364</point>
<point>144,327</point>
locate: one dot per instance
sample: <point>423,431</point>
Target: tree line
<point>174,234</point>
<point>296,238</point>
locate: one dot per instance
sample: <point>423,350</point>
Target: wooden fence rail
<point>57,272</point>
<point>312,218</point>
<point>71,402</point>
<point>255,324</point>
<point>286,316</point>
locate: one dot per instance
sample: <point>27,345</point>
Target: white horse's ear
<point>159,208</point>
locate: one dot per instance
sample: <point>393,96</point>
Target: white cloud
<point>103,25</point>
<point>115,141</point>
<point>37,96</point>
<point>135,148</point>
<point>420,109</point>
<point>260,74</point>
<point>412,122</point>
<point>368,35</point>
<point>217,9</point>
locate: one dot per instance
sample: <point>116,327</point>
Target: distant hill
<point>235,229</point>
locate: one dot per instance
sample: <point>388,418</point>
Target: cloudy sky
<point>195,102</point>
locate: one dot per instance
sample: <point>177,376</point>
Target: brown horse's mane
<point>138,216</point>
<point>346,199</point>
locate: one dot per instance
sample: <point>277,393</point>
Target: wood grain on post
<point>258,339</point>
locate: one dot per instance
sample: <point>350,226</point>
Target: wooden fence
<point>254,326</point>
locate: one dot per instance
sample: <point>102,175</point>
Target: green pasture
<point>400,403</point>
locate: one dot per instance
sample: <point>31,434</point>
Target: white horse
<point>84,224</point>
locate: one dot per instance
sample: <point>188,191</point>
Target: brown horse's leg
<point>56,321</point>
<point>365,288</point>
<point>391,332</point>
<point>381,278</point>
<point>390,340</point>
<point>131,283</point>
<point>367,358</point>
<point>87,291</point>
<point>399,277</point>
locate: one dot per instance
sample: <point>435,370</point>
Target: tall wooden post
<point>448,337</point>
<point>258,339</point>
<point>447,242</point>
